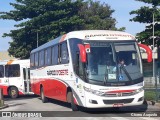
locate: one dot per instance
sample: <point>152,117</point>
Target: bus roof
<point>25,62</point>
<point>89,35</point>
<point>101,35</point>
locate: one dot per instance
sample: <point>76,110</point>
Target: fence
<point>152,84</point>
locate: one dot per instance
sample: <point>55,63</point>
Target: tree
<point>145,15</point>
<point>50,19</point>
<point>97,16</point>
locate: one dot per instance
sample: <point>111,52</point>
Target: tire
<point>69,94</point>
<point>73,105</point>
<point>43,98</point>
<point>13,92</point>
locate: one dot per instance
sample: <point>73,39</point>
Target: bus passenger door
<point>7,75</point>
<point>27,82</point>
<point>4,81</point>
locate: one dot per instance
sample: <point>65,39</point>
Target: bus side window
<point>24,74</point>
<point>12,70</point>
<point>79,66</point>
<point>28,73</point>
<point>1,71</point>
<point>41,58</point>
<point>32,61</point>
<point>55,55</point>
<point>6,71</point>
<point>47,56</point>
<point>64,53</point>
<point>36,59</point>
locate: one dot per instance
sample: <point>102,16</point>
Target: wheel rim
<point>13,92</point>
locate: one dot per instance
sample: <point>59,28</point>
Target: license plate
<point>118,105</point>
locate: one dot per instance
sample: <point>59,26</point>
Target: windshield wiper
<point>126,72</point>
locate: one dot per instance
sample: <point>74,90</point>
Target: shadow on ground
<point>130,109</point>
<point>21,97</point>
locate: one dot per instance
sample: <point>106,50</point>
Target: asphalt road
<point>31,106</point>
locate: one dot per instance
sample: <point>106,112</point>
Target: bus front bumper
<point>94,101</point>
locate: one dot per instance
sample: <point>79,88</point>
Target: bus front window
<point>104,64</point>
<point>131,69</point>
<point>100,62</point>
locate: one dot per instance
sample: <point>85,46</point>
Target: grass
<point>150,95</point>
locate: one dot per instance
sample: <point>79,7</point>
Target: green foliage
<point>97,16</point>
<point>145,15</point>
<point>153,2</point>
<point>52,18</point>
<point>49,18</point>
<point>150,95</point>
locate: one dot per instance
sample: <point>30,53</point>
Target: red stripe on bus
<point>20,93</point>
<point>5,92</point>
<point>120,91</point>
<point>62,38</point>
<point>52,88</point>
<point>10,62</point>
<point>75,101</point>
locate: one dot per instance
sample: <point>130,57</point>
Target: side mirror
<point>82,52</point>
<point>148,51</point>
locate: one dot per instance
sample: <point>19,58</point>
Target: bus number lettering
<point>57,72</point>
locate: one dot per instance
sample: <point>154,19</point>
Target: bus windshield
<point>113,64</point>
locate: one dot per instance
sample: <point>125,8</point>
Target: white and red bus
<point>15,77</point>
<point>81,67</point>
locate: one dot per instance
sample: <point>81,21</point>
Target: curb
<point>154,103</point>
<point>157,104</point>
<point>4,106</point>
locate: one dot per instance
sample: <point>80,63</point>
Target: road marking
<point>135,118</point>
<point>119,118</point>
<point>150,118</point>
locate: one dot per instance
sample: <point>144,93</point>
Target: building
<point>4,55</point>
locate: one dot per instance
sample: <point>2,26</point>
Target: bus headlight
<point>95,92</point>
<point>138,90</point>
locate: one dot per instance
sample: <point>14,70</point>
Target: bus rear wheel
<point>43,98</point>
<point>70,99</point>
<point>13,92</point>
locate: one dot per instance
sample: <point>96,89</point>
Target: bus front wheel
<point>43,98</point>
<point>70,99</point>
<point>13,92</point>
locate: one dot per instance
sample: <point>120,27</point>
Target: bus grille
<point>118,94</point>
<point>118,101</point>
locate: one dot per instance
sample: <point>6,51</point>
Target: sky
<point>121,14</point>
